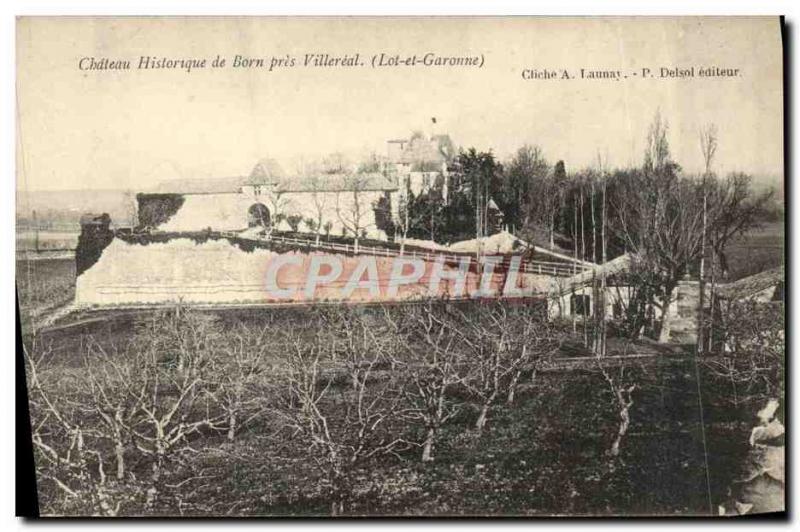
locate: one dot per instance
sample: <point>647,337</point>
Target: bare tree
<point>319,199</point>
<point>622,387</point>
<point>336,163</point>
<point>659,220</point>
<point>68,442</point>
<point>278,204</point>
<point>403,222</point>
<point>573,312</point>
<point>500,344</point>
<point>338,401</point>
<point>708,146</point>
<point>117,410</point>
<point>144,400</point>
<point>582,235</point>
<point>603,275</point>
<point>666,220</point>
<point>552,195</point>
<point>657,157</point>
<point>733,209</point>
<point>601,293</point>
<point>536,188</point>
<point>536,340</point>
<point>406,218</point>
<point>166,376</point>
<point>432,367</point>
<point>661,223</point>
<point>236,384</point>
<point>751,349</point>
<point>352,214</point>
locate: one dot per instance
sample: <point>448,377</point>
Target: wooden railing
<point>539,267</point>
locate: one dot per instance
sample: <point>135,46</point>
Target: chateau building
<point>335,203</point>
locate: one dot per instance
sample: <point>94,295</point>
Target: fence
<point>538,267</point>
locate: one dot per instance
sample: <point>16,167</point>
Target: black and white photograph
<point>428,266</point>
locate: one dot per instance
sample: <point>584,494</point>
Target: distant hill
<point>62,209</point>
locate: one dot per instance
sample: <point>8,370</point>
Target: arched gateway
<point>258,216</point>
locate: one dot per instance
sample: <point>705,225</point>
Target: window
<point>617,309</point>
<point>580,305</point>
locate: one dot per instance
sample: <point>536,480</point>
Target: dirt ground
<point>544,455</point>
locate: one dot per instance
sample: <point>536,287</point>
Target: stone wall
<point>229,211</point>
<point>683,310</point>
<point>683,321</point>
<point>218,271</point>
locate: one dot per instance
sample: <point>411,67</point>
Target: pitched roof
<point>616,265</point>
<point>423,154</point>
<point>373,181</point>
<point>215,185</point>
<point>266,172</point>
<point>419,149</point>
<point>750,286</point>
<point>321,183</point>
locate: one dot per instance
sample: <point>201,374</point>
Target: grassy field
<point>43,285</point>
<point>47,240</point>
<point>757,250</point>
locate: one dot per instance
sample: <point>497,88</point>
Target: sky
<point>87,129</point>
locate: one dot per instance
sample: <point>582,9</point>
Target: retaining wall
<point>217,271</point>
